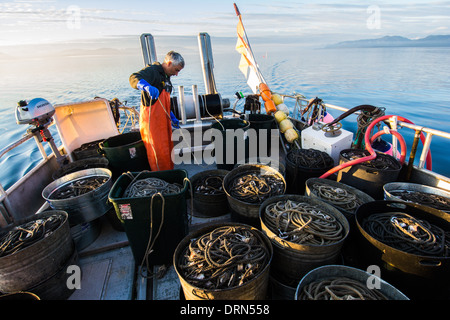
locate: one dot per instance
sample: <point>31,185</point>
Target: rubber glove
<point>175,121</point>
<point>145,86</point>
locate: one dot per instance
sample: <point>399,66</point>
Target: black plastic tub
<point>210,204</point>
<point>368,178</point>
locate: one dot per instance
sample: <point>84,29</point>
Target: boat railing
<point>301,102</point>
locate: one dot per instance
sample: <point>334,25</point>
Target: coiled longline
<point>28,233</point>
<point>406,233</point>
<point>339,288</point>
<point>338,197</point>
<point>302,223</point>
<point>255,188</point>
<point>149,186</point>
<point>226,257</point>
<point>432,200</point>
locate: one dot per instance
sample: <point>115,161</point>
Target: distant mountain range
<point>395,41</point>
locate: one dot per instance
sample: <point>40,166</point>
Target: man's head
<point>173,63</point>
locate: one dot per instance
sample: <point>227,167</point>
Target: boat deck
<point>109,271</point>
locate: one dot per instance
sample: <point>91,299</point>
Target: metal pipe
<point>204,44</point>
<point>182,105</point>
<point>412,155</point>
<point>148,48</point>
<point>426,147</point>
<point>198,116</point>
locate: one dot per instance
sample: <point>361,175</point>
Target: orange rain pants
<point>156,133</point>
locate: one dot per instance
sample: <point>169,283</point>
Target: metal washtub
<point>85,207</point>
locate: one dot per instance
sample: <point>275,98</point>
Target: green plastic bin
<point>135,215</point>
<point>125,152</point>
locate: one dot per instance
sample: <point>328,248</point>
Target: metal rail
<point>428,132</point>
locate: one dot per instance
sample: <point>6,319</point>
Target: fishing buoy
<point>291,135</point>
<point>265,91</point>
<point>283,107</point>
<point>267,95</point>
<point>280,116</point>
<point>270,107</point>
<point>285,125</point>
<point>277,99</point>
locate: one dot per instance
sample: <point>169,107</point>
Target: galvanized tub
<point>390,188</point>
<point>292,260</point>
<point>39,261</point>
<point>85,207</point>
<point>243,211</point>
<point>326,272</point>
<point>255,289</point>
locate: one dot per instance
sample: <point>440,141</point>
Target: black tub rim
<point>181,246</point>
<point>396,205</point>
<point>291,245</point>
<point>208,173</point>
<point>323,169</point>
<point>131,133</point>
<point>225,122</point>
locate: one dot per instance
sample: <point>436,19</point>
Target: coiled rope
<point>406,233</point>
<point>28,233</point>
<point>339,288</point>
<point>78,187</point>
<point>152,187</point>
<point>255,187</point>
<point>338,197</point>
<point>226,257</point>
<point>302,223</point>
<point>309,158</point>
<point>432,200</point>
<point>211,185</point>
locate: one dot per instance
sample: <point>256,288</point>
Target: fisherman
<point>156,119</point>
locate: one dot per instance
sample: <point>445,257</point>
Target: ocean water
<point>411,82</point>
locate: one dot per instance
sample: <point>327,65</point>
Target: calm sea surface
<point>411,82</point>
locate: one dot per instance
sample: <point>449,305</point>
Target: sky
<point>48,21</point>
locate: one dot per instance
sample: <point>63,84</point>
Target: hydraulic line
<point>372,154</point>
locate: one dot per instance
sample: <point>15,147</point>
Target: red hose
<point>369,148</point>
<point>400,139</point>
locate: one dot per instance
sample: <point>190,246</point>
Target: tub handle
<point>202,294</point>
<point>430,263</point>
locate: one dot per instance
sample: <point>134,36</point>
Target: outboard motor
<point>38,113</point>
